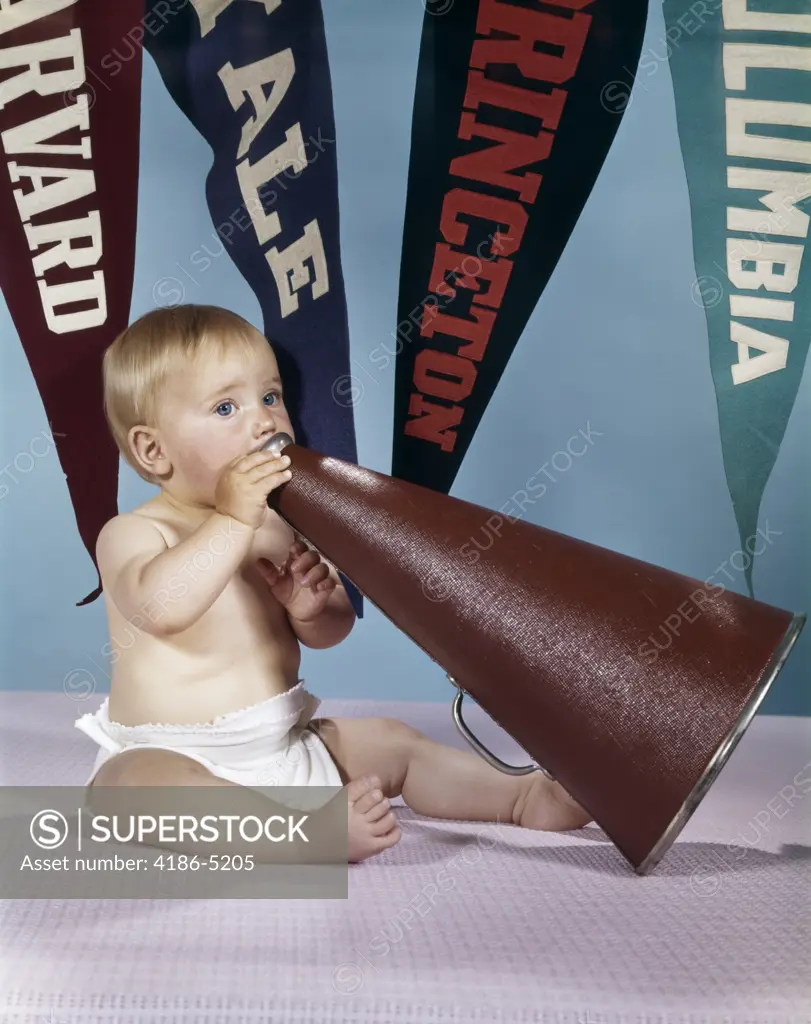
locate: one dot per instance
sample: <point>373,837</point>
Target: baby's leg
<point>443,782</point>
<point>370,831</point>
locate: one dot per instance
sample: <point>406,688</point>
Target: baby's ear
<point>145,446</point>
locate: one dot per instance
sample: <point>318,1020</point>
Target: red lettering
<point>447,375</point>
<point>433,422</point>
<point>546,106</point>
<point>501,211</point>
<point>444,375</point>
<point>476,331</point>
<point>448,260</point>
<point>491,163</point>
<point>530,27</point>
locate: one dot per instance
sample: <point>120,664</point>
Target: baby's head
<point>188,389</point>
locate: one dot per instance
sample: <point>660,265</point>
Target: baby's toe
<point>384,824</point>
<point>358,788</point>
<point>377,810</point>
<point>388,840</point>
<point>368,802</point>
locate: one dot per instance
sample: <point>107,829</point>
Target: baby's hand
<point>302,585</point>
<point>245,483</point>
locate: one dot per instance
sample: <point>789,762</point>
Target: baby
<point>209,594</point>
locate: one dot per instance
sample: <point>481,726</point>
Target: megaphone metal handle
<point>480,748</point>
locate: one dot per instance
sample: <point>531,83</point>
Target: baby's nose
<point>264,424</point>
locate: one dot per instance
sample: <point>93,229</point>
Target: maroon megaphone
<point>552,637</point>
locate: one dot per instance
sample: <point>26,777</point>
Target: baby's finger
<point>267,466</point>
<point>269,478</point>
<point>315,576</point>
<point>303,563</point>
<point>245,463</point>
<point>267,570</point>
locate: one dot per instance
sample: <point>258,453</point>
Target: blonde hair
<point>137,365</point>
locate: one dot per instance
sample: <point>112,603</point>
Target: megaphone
<point>556,639</point>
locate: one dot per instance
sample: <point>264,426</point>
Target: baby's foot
<point>372,825</point>
<point>545,805</point>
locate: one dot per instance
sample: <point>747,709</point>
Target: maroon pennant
<point>68,203</point>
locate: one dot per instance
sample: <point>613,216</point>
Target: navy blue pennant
<point>254,79</point>
<point>516,107</point>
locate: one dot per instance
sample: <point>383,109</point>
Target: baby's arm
<point>165,590</point>
<point>333,623</point>
<point>335,620</point>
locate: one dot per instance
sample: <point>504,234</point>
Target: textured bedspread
<point>520,926</point>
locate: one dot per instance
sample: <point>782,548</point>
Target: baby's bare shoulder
<point>125,537</point>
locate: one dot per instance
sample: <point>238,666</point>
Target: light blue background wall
<point>617,344</point>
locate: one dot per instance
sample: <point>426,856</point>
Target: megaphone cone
<point>628,683</point>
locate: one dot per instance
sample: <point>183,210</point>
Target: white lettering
<point>252,176</point>
<point>784,189</point>
<point>209,10</point>
<point>753,263</point>
<point>290,272</point>
<point>736,15</point>
<point>251,80</point>
<point>16,14</point>
<point>741,113</point>
<point>67,185</point>
<point>51,187</point>
<point>775,353</point>
<point>28,137</point>
<point>89,289</point>
<point>764,274</point>
<point>85,228</point>
<point>67,47</point>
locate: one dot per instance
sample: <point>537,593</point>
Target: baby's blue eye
<point>270,394</point>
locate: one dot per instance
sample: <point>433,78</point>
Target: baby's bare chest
<point>244,615</point>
